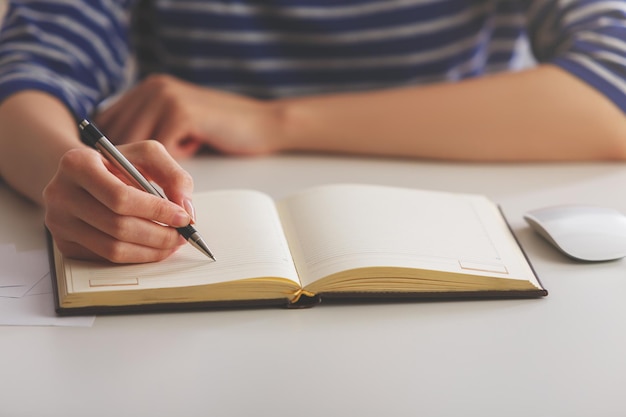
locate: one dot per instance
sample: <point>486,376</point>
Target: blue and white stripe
<point>80,51</point>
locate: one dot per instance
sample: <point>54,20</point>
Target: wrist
<point>292,124</point>
<point>36,129</point>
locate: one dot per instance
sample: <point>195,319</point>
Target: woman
<point>420,78</point>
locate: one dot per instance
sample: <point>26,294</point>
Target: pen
<point>95,138</point>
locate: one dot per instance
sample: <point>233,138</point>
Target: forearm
<point>35,131</point>
<point>539,114</point>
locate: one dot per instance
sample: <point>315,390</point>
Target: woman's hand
<point>184,117</point>
<point>93,213</point>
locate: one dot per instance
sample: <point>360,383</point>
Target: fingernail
<point>181,218</point>
<point>190,209</point>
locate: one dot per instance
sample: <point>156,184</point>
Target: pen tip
<point>202,247</point>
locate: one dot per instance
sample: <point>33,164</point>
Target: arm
<point>56,60</point>
<point>539,114</point>
<point>36,129</point>
<point>90,211</point>
<point>570,107</point>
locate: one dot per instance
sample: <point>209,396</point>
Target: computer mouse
<point>586,233</point>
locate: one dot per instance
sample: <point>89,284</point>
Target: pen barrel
<point>96,139</point>
<point>89,133</point>
<point>121,163</point>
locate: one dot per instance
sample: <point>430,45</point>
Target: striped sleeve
<point>75,51</point>
<point>586,38</point>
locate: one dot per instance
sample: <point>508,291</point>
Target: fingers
<point>75,250</point>
<point>96,245</point>
<point>124,199</point>
<point>176,133</point>
<point>125,121</point>
<point>183,116</point>
<point>93,215</point>
<point>159,109</point>
<point>154,161</point>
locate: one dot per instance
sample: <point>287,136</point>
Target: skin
<point>541,114</point>
<point>90,210</point>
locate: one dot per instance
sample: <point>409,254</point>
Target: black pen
<point>95,138</point>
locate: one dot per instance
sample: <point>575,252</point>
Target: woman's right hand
<point>93,213</point>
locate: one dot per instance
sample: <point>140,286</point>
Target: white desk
<point>564,355</point>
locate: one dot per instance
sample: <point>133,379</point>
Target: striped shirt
<point>81,51</point>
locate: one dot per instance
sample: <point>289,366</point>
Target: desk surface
<point>564,355</point>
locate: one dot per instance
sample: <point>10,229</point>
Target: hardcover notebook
<point>333,241</point>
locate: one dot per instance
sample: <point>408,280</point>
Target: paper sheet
<point>26,291</point>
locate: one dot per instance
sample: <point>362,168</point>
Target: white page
<point>240,227</point>
<point>339,227</point>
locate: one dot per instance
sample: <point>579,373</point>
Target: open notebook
<point>333,241</point>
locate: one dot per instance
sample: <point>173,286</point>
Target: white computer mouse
<point>587,233</point>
